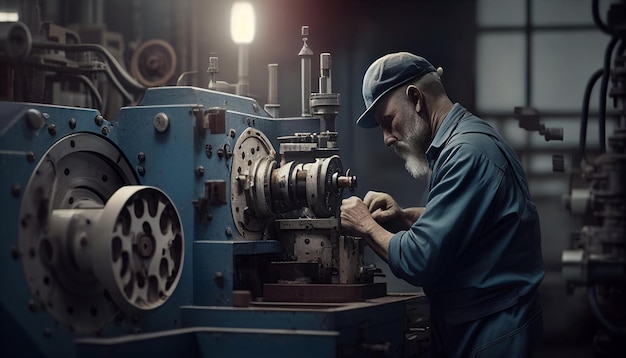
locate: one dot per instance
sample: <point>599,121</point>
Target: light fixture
<point>242,23</point>
<point>9,16</point>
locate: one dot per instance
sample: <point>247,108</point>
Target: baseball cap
<point>385,74</point>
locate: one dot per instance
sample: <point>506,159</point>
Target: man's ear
<point>415,96</point>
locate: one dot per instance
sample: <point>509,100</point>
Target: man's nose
<point>389,139</point>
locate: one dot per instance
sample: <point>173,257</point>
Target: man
<point>475,248</point>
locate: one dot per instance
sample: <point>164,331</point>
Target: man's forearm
<point>378,239</point>
<point>410,215</point>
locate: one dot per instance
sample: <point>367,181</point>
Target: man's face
<point>405,131</point>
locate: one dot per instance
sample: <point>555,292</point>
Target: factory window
<point>9,16</point>
<point>540,54</point>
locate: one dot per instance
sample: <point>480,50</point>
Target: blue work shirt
<point>476,249</point>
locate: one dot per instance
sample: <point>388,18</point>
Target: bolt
<point>15,190</point>
<point>229,232</point>
<point>255,107</point>
<point>209,216</point>
<point>99,120</point>
<point>134,319</point>
<point>83,241</point>
<point>161,122</point>
<point>232,133</point>
<point>200,170</point>
<point>105,130</point>
<point>141,170</point>
<point>218,278</point>
<point>307,241</point>
<point>35,118</point>
<point>52,129</point>
<point>30,156</point>
<point>72,123</point>
<point>141,157</point>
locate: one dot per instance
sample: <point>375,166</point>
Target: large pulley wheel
<point>139,256</point>
<point>92,241</point>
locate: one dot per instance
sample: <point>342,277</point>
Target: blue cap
<point>385,74</point>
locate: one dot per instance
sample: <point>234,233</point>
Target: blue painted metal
<point>369,322</point>
<point>25,326</point>
<point>170,160</point>
<point>215,343</point>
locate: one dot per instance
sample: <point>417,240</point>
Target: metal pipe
<point>272,97</point>
<point>305,72</point>
<point>272,107</point>
<point>243,84</point>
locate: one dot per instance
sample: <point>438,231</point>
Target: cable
<point>595,10</point>
<point>81,70</point>
<point>593,302</point>
<point>585,112</point>
<point>95,94</point>
<point>603,91</point>
<point>116,69</point>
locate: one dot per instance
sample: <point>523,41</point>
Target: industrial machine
<point>597,260</point>
<point>189,222</point>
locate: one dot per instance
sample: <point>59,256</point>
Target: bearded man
<point>475,248</point>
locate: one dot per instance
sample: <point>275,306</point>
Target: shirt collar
<point>444,132</point>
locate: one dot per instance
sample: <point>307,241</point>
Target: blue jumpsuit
<point>476,249</point>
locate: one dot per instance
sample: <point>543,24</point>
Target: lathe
<point>194,222</point>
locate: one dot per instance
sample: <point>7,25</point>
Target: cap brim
<point>368,118</point>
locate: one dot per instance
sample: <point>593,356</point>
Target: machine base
<point>318,293</point>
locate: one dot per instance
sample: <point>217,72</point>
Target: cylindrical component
<point>272,107</point>
<point>305,73</point>
<point>133,245</point>
<point>213,69</point>
<point>15,39</point>
<point>243,83</point>
<point>272,93</point>
<point>325,81</point>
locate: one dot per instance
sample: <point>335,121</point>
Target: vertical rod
<point>242,83</point>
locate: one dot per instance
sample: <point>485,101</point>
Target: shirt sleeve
<point>464,186</point>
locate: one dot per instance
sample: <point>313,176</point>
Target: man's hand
<point>383,207</point>
<point>355,217</point>
<point>356,220</point>
<point>386,211</point>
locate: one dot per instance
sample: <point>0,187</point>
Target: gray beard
<point>414,162</point>
<point>413,149</point>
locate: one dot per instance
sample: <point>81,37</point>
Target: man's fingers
<point>371,195</point>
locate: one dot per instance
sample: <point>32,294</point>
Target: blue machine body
<point>182,157</point>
